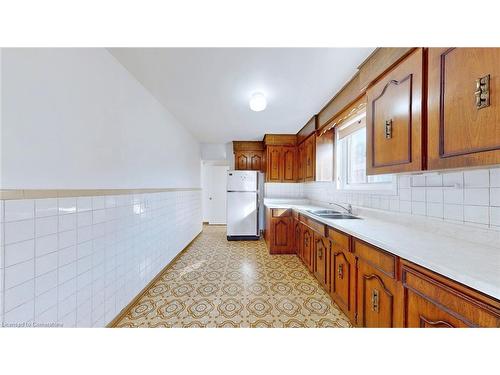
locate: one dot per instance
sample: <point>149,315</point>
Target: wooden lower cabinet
<point>378,297</point>
<point>343,279</point>
<point>297,237</point>
<point>280,238</point>
<point>433,301</point>
<point>322,248</point>
<point>373,287</point>
<point>379,293</point>
<point>307,243</point>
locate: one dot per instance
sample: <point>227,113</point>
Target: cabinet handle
<point>340,271</point>
<point>388,129</point>
<point>375,300</point>
<point>320,253</point>
<point>482,92</point>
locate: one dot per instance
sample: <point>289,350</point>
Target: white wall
<point>76,118</point>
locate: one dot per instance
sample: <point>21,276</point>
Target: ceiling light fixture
<point>258,102</point>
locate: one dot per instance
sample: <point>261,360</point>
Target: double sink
<point>332,214</point>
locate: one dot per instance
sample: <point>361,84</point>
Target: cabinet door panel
<point>394,120</point>
<point>321,249</point>
<point>309,166</point>
<point>298,236</point>
<point>256,161</point>
<point>460,133</point>
<point>300,162</point>
<point>242,161</point>
<point>274,168</point>
<point>342,282</point>
<point>423,314</point>
<point>288,160</point>
<point>282,235</point>
<point>307,245</point>
<point>379,306</point>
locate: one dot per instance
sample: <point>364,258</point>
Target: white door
<point>217,177</point>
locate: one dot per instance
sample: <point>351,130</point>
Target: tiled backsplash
<point>77,262</point>
<point>278,190</point>
<point>471,197</point>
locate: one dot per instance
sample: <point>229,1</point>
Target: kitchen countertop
<point>476,265</point>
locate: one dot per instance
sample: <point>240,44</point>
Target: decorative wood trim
<point>280,139</point>
<point>10,194</point>
<point>248,146</point>
<point>435,323</point>
<point>442,84</point>
<point>410,124</point>
<point>136,299</point>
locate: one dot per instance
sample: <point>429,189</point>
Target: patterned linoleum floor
<point>217,283</point>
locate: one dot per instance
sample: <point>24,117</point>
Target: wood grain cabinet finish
<point>297,237</point>
<point>289,163</point>
<point>282,232</point>
<point>433,301</point>
<point>310,158</point>
<point>281,164</point>
<point>463,107</point>
<point>274,164</point>
<point>249,160</point>
<point>394,119</point>
<point>379,303</point>
<point>321,259</point>
<point>300,162</point>
<point>342,274</point>
<point>307,241</point>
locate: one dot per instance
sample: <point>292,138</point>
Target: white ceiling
<point>208,89</point>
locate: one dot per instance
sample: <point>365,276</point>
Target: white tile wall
<point>76,262</point>
<point>471,197</point>
<point>287,190</point>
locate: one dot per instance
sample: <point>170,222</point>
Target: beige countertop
<point>448,249</point>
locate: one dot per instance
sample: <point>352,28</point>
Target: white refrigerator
<point>244,201</point>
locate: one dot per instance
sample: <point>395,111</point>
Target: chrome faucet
<point>348,208</point>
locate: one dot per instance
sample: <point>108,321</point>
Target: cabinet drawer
<point>313,224</point>
<point>281,212</point>
<point>432,300</point>
<point>339,239</point>
<point>377,258</point>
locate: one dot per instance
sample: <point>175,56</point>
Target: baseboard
<point>127,308</point>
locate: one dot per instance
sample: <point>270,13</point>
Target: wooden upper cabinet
<point>300,162</point>
<point>310,158</point>
<point>274,161</point>
<point>289,163</point>
<point>256,161</point>
<point>281,164</point>
<point>394,131</point>
<point>463,107</point>
<point>248,160</point>
<point>248,155</point>
<point>242,160</point>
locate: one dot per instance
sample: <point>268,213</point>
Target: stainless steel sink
<point>324,212</point>
<point>339,216</point>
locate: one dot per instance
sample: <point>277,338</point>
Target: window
<point>351,159</point>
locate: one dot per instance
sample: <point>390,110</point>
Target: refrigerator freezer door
<point>242,214</point>
<point>242,181</point>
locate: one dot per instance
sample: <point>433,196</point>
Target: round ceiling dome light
<point>258,102</point>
